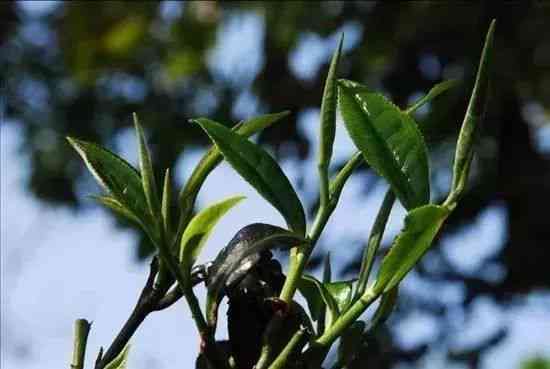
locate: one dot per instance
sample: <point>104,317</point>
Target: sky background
<point>58,265</point>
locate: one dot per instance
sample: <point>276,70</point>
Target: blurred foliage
<point>81,68</point>
<point>537,362</point>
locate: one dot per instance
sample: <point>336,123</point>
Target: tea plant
<point>267,328</point>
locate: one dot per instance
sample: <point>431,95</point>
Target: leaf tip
<point>285,113</point>
<point>136,121</point>
<point>341,43</point>
<point>72,141</point>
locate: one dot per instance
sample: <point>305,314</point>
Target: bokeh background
<point>479,299</point>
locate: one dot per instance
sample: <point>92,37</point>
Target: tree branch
<point>152,298</point>
<point>147,301</point>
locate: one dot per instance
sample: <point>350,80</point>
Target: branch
<point>198,275</point>
<point>147,301</point>
<point>152,298</point>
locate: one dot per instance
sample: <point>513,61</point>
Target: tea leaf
<point>167,203</point>
<point>341,292</point>
<point>317,297</point>
<point>474,114</point>
<point>213,157</point>
<point>328,121</point>
<point>118,178</point>
<point>117,207</point>
<point>434,92</point>
<point>389,140</point>
<point>259,169</point>
<point>421,227</point>
<point>147,175</point>
<point>199,229</point>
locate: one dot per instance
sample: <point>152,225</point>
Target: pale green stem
<point>323,185</point>
<point>292,345</point>
<point>347,319</point>
<point>81,331</point>
<point>299,255</point>
<point>373,243</point>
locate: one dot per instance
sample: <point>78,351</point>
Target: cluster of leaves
<point>388,140</point>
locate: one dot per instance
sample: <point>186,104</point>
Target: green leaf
<point>328,121</point>
<point>434,92</point>
<point>389,140</point>
<point>350,341</point>
<point>120,361</point>
<point>213,157</point>
<point>474,114</point>
<point>117,177</point>
<point>257,124</point>
<point>317,297</point>
<point>259,169</point>
<point>325,299</point>
<point>341,292</point>
<point>117,207</point>
<point>240,255</point>
<point>166,204</point>
<point>147,175</point>
<point>199,229</point>
<point>421,227</point>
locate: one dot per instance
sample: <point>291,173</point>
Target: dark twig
<point>146,303</point>
<point>169,299</point>
<point>198,275</point>
<point>152,298</point>
<point>99,357</point>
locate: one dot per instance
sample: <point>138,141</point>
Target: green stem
<point>299,255</point>
<point>373,243</point>
<point>205,332</point>
<point>346,319</point>
<point>81,331</point>
<point>323,185</point>
<point>196,311</point>
<point>338,183</point>
<point>271,330</point>
<point>292,345</point>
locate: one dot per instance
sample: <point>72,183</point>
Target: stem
<point>373,243</point>
<point>147,301</point>
<point>423,100</point>
<point>282,358</point>
<point>323,186</point>
<point>271,330</point>
<point>211,350</point>
<point>81,331</point>
<point>341,178</point>
<point>196,311</point>
<point>300,255</point>
<point>172,296</point>
<point>347,318</point>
